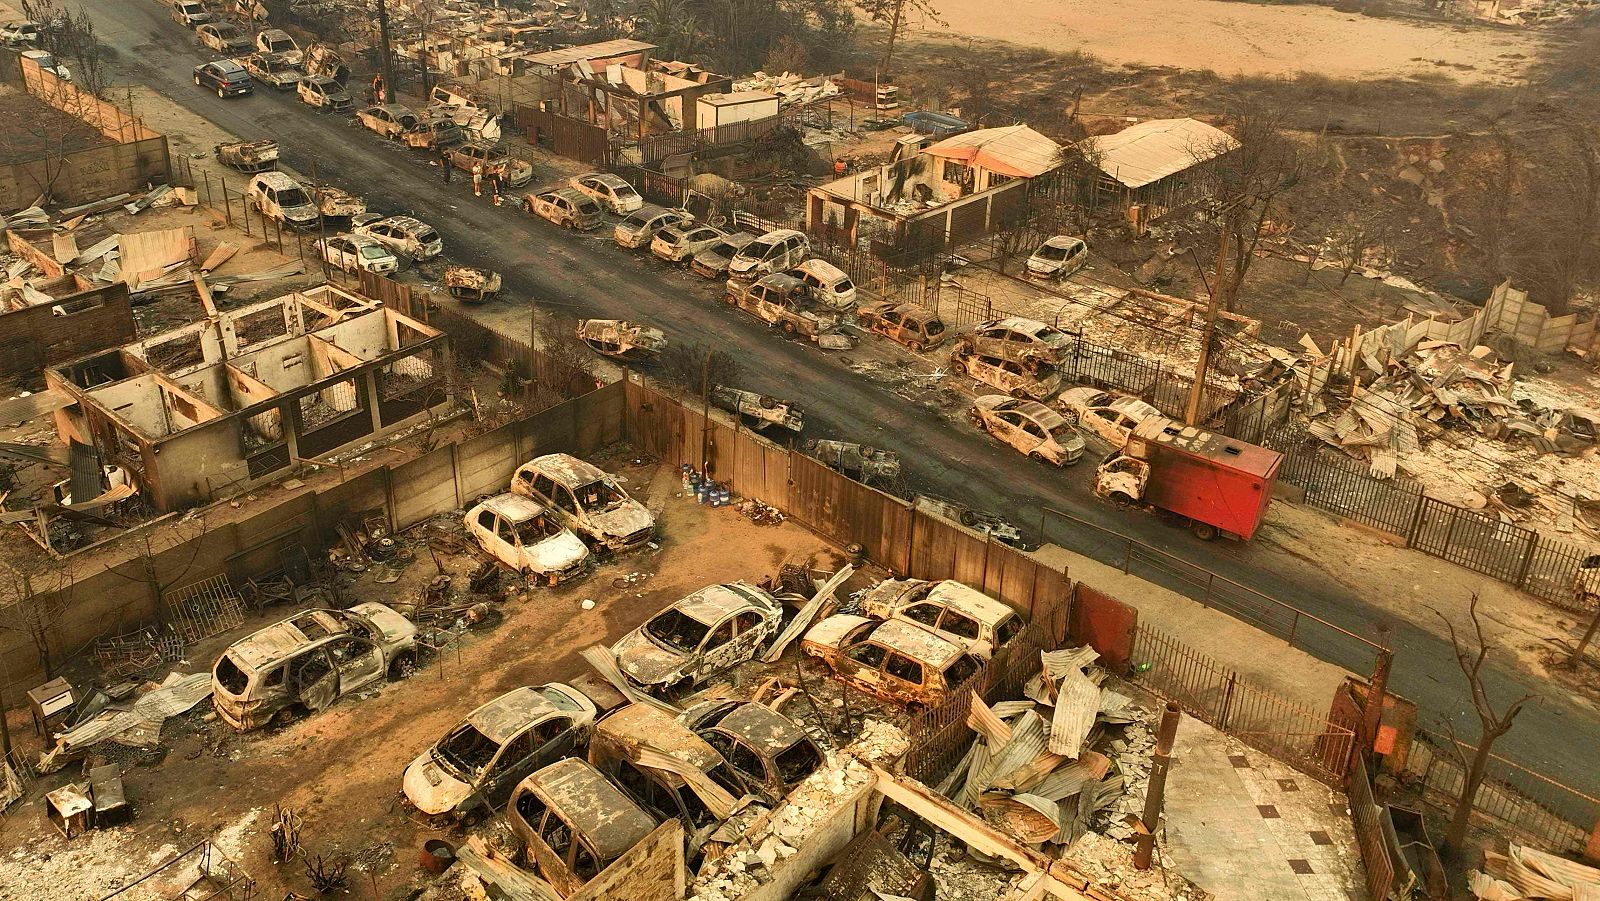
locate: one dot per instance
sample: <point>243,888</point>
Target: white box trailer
<point>717,110</point>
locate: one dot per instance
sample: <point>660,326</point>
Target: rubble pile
<point>789,87</point>
<point>1109,863</point>
<point>1525,872</point>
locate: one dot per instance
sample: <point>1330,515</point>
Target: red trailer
<point>1219,484</point>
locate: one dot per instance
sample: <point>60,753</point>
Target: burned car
<point>324,93</point>
<point>714,629</point>
<point>639,227</point>
<point>470,772</point>
<point>590,502</point>
<point>898,661</point>
<point>769,751</point>
<point>278,41</point>
<point>713,261</point>
<point>1030,342</point>
<point>1111,417</point>
<point>470,284</point>
<point>1009,376</point>
<point>782,302</point>
<point>222,37</point>
<point>857,461</point>
<point>390,120</point>
<point>679,243</point>
<point>308,661</point>
<point>277,196</point>
<point>1058,257</point>
<point>520,533</point>
<point>1029,427</point>
<point>492,158</point>
<point>622,339</point>
<point>433,132</point>
<point>248,156</point>
<point>337,203</point>
<point>274,69</point>
<point>574,822</point>
<point>610,191</point>
<point>566,207</point>
<point>406,235</point>
<point>759,411</point>
<point>916,327</point>
<point>955,611</point>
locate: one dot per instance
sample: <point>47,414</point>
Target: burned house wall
<point>37,337</point>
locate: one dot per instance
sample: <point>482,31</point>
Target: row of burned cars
<point>584,770</point>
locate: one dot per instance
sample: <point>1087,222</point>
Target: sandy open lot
<point>1243,39</point>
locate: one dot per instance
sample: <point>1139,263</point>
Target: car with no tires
<point>566,207</point>
<point>782,302</point>
<point>190,13</point>
<point>776,251</point>
<point>520,533</point>
<point>492,158</point>
<point>405,235</point>
<point>898,661</point>
<point>277,196</point>
<point>1109,417</point>
<point>308,661</point>
<point>713,261</point>
<point>225,77</point>
<point>706,633</point>
<point>610,191</point>
<point>955,611</point>
<point>222,37</point>
<point>638,228</point>
<point>390,120</point>
<point>1006,375</point>
<point>621,339</point>
<point>1029,427</point>
<point>1032,343</point>
<point>828,284</point>
<point>274,70</point>
<point>324,93</point>
<point>589,502</point>
<point>1058,257</point>
<point>699,788</point>
<point>470,772</point>
<point>357,253</point>
<point>768,751</point>
<point>679,243</point>
<point>918,328</point>
<point>574,822</point>
<point>20,34</point>
<point>278,41</point>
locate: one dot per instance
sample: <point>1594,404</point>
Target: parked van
<point>828,283</point>
<point>574,822</point>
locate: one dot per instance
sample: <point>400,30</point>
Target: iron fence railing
<point>1366,817</point>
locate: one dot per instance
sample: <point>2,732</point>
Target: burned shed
<point>237,399</point>
<point>1155,167</point>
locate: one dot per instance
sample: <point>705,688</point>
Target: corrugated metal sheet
<point>1150,151</point>
<point>1076,707</point>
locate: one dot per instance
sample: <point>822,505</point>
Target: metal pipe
<point>1155,792</point>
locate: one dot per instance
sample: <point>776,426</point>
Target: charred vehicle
<point>713,261</point>
<point>308,661</point>
<point>248,156</point>
<point>589,502</point>
<point>776,251</point>
<point>406,235</point>
<point>522,534</point>
<point>324,93</point>
<point>610,191</point>
<point>953,610</point>
<point>574,823</point>
<point>759,411</point>
<point>768,751</point>
<point>433,132</point>
<point>469,284</point>
<point>222,37</point>
<point>470,772</point>
<point>278,41</point>
<point>895,660</point>
<point>1029,427</point>
<point>566,207</point>
<point>679,243</point>
<point>274,69</point>
<point>491,158</point>
<point>1216,484</point>
<point>1111,417</point>
<point>904,323</point>
<point>857,461</point>
<point>1009,376</point>
<point>639,227</point>
<point>829,285</point>
<point>322,61</point>
<point>622,339</point>
<point>277,196</point>
<point>391,120</point>
<point>1058,257</point>
<point>357,253</point>
<point>782,302</point>
<point>1032,343</point>
<point>712,630</point>
<point>337,203</point>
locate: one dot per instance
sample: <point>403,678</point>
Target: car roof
<point>606,178</point>
<point>595,808</point>
<point>647,212</point>
<point>760,726</point>
<point>514,507</point>
<point>644,725</point>
<point>966,599</point>
<point>781,280</point>
<point>822,269</point>
<point>228,65</point>
<point>505,716</point>
<point>1062,241</point>
<point>395,109</point>
<point>409,223</point>
<point>832,630</point>
<point>779,234</point>
<point>712,603</point>
<point>567,469</point>
<point>277,641</point>
<point>914,641</point>
<point>1017,324</point>
<point>275,33</point>
<point>1039,413</point>
<point>277,180</point>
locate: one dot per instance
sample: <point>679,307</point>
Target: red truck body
<point>1207,477</point>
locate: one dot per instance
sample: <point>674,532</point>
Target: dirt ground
<point>37,130</point>
<point>340,770</point>
<point>1245,39</point>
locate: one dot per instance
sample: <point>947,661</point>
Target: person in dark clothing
<point>444,160</point>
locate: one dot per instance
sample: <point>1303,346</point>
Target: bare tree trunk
<point>1456,835</point>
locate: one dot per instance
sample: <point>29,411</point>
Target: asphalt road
<point>588,276</point>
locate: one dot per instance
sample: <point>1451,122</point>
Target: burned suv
<point>588,501</point>
<point>712,630</point>
<point>308,661</point>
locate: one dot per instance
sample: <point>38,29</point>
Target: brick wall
<point>36,337</point>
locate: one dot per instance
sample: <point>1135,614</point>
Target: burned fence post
<point>1160,760</point>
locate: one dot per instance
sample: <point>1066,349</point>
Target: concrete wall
<point>86,175</point>
<point>35,338</point>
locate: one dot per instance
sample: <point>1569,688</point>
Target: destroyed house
<point>238,399</point>
<point>1155,167</point>
<point>943,194</point>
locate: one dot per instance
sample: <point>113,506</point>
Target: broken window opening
<point>797,762</point>
<point>904,668</point>
<point>467,750</point>
<point>599,495</point>
<point>960,671</point>
<point>230,676</point>
<point>676,631</point>
<point>870,655</point>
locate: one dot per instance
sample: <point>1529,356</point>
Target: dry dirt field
<point>1244,38</point>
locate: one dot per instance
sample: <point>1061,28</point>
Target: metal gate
<point>1475,540</point>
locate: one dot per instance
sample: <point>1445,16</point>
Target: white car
<point>222,37</point>
<point>520,533</point>
<point>679,243</point>
<point>1111,417</point>
<point>356,253</point>
<point>588,500</point>
<point>1058,257</point>
<point>776,251</point>
<point>324,93</point>
<point>276,40</point>
<point>829,284</point>
<point>1029,427</point>
<point>405,235</point>
<point>610,191</point>
<point>280,197</point>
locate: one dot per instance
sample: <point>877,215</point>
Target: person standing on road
<point>494,186</point>
<point>477,179</point>
<point>444,160</point>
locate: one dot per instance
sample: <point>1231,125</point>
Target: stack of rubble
<point>789,87</point>
<point>1524,872</point>
<point>1032,772</point>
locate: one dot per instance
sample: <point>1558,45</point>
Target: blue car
<point>226,77</point>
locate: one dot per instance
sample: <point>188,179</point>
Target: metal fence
<point>1512,799</point>
<point>1293,733</point>
<point>204,608</point>
<point>1367,819</point>
<point>1342,485</point>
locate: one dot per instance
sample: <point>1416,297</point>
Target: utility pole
<point>385,52</point>
<point>1191,411</point>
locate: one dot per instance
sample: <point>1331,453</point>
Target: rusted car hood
<point>555,553</point>
<point>623,521</point>
<point>396,629</point>
<point>645,662</point>
<point>831,631</point>
<point>431,788</point>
